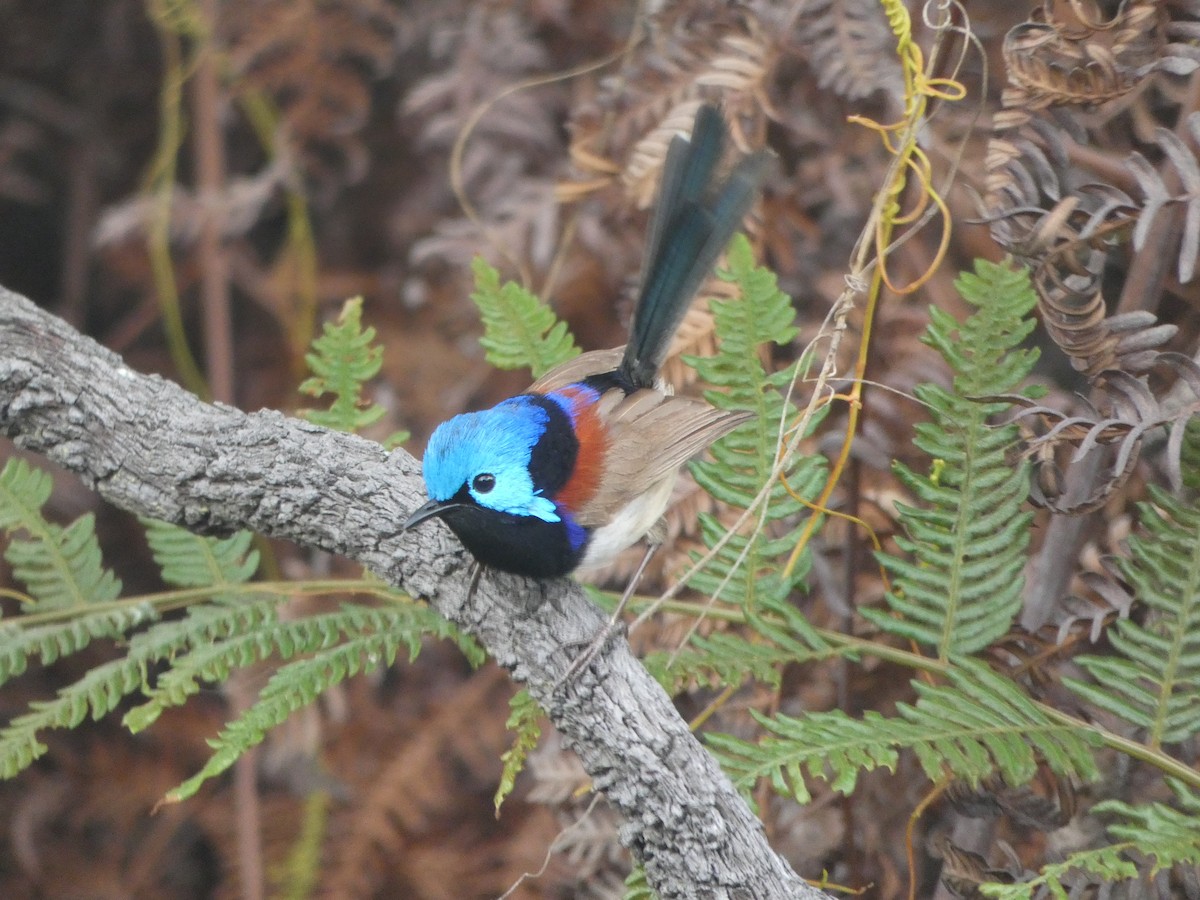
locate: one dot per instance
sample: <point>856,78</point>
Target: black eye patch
<point>483,483</point>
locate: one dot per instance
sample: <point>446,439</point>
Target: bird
<point>579,467</point>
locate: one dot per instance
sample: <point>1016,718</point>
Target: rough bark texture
<point>150,447</point>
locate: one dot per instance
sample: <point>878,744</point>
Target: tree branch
<point>150,447</point>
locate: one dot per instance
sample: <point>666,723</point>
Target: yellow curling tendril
<point>900,140</point>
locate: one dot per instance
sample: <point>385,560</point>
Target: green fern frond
<point>291,687</point>
<point>519,330</point>
<point>61,567</point>
<point>1167,833</point>
<point>343,360</point>
<point>1189,454</point>
<point>968,540</point>
<point>212,662</point>
<point>51,642</point>
<point>977,724</point>
<point>98,692</point>
<point>524,718</point>
<point>1150,831</point>
<point>1153,679</point>
<point>190,560</point>
<point>746,571</point>
<point>1103,865</point>
<point>24,490</point>
<point>728,658</point>
<point>637,887</point>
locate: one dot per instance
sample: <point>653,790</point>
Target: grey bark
<point>149,447</point>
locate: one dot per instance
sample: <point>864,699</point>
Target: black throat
<point>524,545</point>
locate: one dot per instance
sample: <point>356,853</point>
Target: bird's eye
<point>483,483</point>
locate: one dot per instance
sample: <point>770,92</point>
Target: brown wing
<point>650,435</point>
<point>594,362</point>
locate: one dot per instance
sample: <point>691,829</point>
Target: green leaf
<point>960,586</point>
<point>746,573</point>
<point>1152,680</point>
<point>525,719</point>
<point>637,887</point>
<point>1166,833</point>
<point>1152,837</point>
<point>190,560</point>
<point>50,642</point>
<point>519,330</point>
<point>60,567</point>
<point>977,724</point>
<point>214,660</point>
<point>291,687</point>
<point>343,359</point>
<point>300,874</point>
<point>1103,865</point>
<point>102,687</point>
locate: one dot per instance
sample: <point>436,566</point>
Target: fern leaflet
<point>1153,681</point>
<point>50,642</point>
<point>968,541</point>
<point>189,560</point>
<point>977,724</point>
<point>99,691</point>
<point>524,719</point>
<point>1107,865</point>
<point>342,361</point>
<point>745,571</point>
<point>728,658</point>
<point>1157,831</point>
<point>519,330</point>
<point>1165,832</point>
<point>291,687</point>
<point>637,887</point>
<point>213,661</point>
<point>61,567</point>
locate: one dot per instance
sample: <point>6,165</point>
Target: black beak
<point>430,510</point>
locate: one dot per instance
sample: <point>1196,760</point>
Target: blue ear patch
<point>496,442</point>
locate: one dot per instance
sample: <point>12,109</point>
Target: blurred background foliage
<point>199,184</point>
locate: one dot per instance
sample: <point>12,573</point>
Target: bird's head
<point>481,460</point>
<point>493,476</point>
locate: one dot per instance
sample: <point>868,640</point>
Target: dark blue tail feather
<point>692,223</point>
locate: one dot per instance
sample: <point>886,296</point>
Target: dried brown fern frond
<point>1043,805</point>
<point>588,839</point>
<point>1068,56</point>
<point>498,147</point>
<point>1069,230</point>
<point>1158,194</point>
<point>241,204</point>
<point>696,337</point>
<point>316,59</point>
<point>1064,62</point>
<point>850,47</point>
<point>693,53</point>
<point>1105,600</point>
<point>490,50</point>
<point>523,219</point>
<point>1130,411</point>
<point>963,870</point>
<point>408,800</point>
